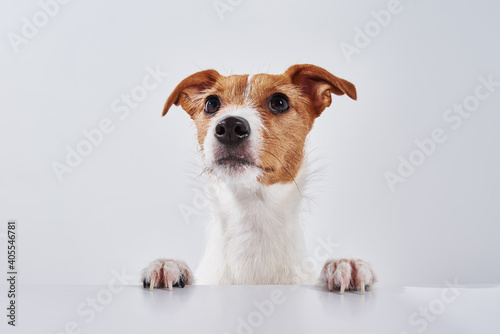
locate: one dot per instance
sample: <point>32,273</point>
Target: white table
<point>232,309</point>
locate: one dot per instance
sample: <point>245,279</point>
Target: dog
<point>251,131</point>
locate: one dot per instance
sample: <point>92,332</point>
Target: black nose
<point>232,130</point>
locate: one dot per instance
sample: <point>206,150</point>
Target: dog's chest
<point>259,238</point>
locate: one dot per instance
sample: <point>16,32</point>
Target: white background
<point>120,208</point>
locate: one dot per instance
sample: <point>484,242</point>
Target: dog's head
<point>254,127</point>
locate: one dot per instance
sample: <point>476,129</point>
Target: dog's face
<point>254,127</point>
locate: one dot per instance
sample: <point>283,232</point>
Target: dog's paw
<point>166,273</point>
<point>348,274</point>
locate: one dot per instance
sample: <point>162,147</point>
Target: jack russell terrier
<point>251,131</point>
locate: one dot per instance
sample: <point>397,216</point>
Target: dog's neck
<point>255,235</point>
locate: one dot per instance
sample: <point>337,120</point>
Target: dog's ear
<point>319,84</point>
<point>192,85</point>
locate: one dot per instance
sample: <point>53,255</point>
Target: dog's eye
<point>279,103</point>
<point>212,105</point>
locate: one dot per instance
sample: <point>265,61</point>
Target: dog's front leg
<point>348,274</point>
<point>167,273</point>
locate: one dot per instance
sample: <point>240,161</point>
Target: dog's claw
<point>166,273</point>
<point>152,285</point>
<point>348,275</point>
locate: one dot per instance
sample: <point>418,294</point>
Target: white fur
<point>248,87</point>
<point>254,235</point>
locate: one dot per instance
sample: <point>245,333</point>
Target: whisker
<point>202,172</point>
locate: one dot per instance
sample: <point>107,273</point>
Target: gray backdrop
<point>410,171</point>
